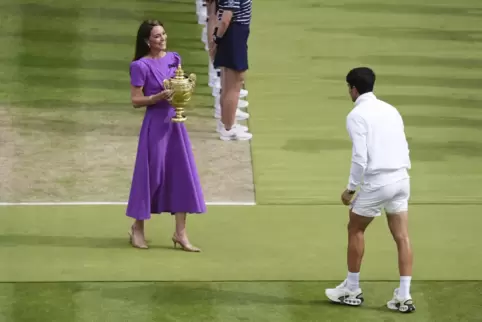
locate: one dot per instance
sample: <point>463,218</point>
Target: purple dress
<point>165,176</point>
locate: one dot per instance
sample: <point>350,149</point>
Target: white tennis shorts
<point>392,198</point>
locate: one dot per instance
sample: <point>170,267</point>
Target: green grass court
<point>64,99</point>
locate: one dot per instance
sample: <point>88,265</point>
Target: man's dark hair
<point>362,78</point>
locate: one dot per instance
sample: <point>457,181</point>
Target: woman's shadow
<point>14,240</point>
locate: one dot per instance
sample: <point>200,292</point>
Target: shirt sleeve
<point>177,59</point>
<point>357,131</point>
<point>231,5</point>
<point>138,74</point>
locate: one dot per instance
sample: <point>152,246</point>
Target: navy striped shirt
<point>241,10</point>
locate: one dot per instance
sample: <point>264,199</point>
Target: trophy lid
<point>179,72</point>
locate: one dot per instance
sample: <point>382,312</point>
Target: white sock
<point>404,290</point>
<point>353,281</point>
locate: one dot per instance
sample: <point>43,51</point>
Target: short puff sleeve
<point>138,73</point>
<point>177,59</point>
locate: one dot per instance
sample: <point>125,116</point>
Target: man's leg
<point>397,218</point>
<point>356,247</point>
<point>349,291</point>
<point>398,224</point>
<point>364,208</point>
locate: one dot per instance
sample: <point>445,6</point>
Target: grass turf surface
<point>427,60</point>
<point>239,243</point>
<point>260,263</point>
<point>225,302</point>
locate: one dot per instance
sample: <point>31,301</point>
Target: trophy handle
<point>167,84</point>
<point>192,78</point>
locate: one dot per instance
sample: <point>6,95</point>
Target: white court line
<point>107,203</point>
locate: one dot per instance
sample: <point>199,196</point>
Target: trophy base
<point>179,118</point>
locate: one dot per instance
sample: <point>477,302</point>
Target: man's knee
<point>401,237</point>
<point>398,223</point>
<point>242,76</point>
<point>358,223</point>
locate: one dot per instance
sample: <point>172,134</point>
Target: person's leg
<point>235,66</point>
<point>402,300</point>
<point>397,219</point>
<point>356,247</point>
<point>398,224</point>
<point>137,234</point>
<point>231,86</point>
<point>364,208</point>
<point>222,91</point>
<point>180,235</point>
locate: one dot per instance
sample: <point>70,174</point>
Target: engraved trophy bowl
<point>183,87</point>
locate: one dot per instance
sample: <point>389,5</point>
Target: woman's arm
<point>139,100</point>
<point>138,74</point>
<point>212,18</point>
<point>223,24</point>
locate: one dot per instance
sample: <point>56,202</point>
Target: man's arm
<point>357,130</point>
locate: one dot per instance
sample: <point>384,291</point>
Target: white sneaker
<point>220,127</point>
<point>240,115</point>
<point>215,84</point>
<point>216,91</point>
<point>204,35</point>
<point>242,104</point>
<point>404,305</point>
<point>341,294</point>
<point>212,70</point>
<point>201,19</point>
<point>243,93</point>
<point>201,8</point>
<point>235,134</point>
<point>202,15</point>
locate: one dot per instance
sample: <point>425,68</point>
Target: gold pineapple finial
<point>179,72</point>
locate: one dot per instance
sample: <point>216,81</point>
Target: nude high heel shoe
<point>185,247</point>
<point>131,240</point>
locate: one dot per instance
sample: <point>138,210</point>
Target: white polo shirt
<point>380,153</point>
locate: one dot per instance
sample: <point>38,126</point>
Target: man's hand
<point>346,197</point>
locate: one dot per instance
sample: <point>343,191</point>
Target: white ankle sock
<point>353,281</point>
<point>404,290</point>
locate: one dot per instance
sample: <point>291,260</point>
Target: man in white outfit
<point>379,167</point>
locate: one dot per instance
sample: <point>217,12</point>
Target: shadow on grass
<point>15,240</point>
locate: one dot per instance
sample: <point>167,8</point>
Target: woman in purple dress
<point>165,177</point>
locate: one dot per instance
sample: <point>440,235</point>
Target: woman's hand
<point>212,46</point>
<point>164,95</point>
<point>139,100</point>
<point>212,50</point>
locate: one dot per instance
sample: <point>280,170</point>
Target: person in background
<point>165,177</point>
<point>229,48</point>
<point>215,74</point>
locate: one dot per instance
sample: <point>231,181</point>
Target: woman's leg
<point>231,86</point>
<point>180,236</point>
<point>137,234</point>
